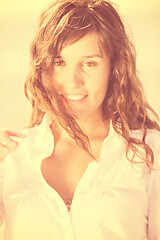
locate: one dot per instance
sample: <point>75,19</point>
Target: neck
<point>93,126</point>
<point>88,125</point>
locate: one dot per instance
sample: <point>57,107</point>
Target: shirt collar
<point>44,139</point>
<point>109,142</point>
<point>40,139</point>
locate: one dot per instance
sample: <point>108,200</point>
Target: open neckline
<point>80,185</point>
<point>83,179</point>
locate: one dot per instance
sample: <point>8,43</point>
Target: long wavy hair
<point>65,22</point>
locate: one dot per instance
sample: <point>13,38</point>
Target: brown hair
<point>65,22</point>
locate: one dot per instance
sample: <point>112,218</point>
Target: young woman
<point>88,166</point>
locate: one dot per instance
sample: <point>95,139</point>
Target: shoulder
<point>152,139</point>
<point>39,140</point>
<point>21,152</point>
<point>152,136</point>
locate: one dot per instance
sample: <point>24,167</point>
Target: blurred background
<point>18,21</point>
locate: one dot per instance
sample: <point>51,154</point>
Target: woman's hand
<point>7,142</point>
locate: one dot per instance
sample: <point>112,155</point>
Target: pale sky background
<point>18,21</point>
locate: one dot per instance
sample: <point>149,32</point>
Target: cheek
<point>100,83</point>
<point>58,84</point>
<point>105,78</point>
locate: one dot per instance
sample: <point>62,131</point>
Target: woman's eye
<point>89,64</point>
<point>59,63</point>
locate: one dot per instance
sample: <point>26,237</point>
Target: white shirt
<point>114,200</point>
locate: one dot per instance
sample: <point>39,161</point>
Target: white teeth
<point>74,97</point>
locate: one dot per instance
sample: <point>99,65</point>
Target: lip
<point>74,98</point>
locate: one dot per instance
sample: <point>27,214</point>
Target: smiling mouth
<point>74,97</point>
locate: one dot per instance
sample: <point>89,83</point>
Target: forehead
<point>87,45</point>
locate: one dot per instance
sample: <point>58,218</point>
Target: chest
<point>66,166</point>
<point>64,170</point>
<point>112,194</point>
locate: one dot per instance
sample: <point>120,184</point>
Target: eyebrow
<point>88,56</point>
<point>93,55</point>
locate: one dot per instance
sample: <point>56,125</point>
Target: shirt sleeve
<point>154,195</point>
<point>2,172</point>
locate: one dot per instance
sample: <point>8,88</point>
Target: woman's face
<point>81,72</point>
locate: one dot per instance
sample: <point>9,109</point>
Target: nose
<point>74,77</point>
